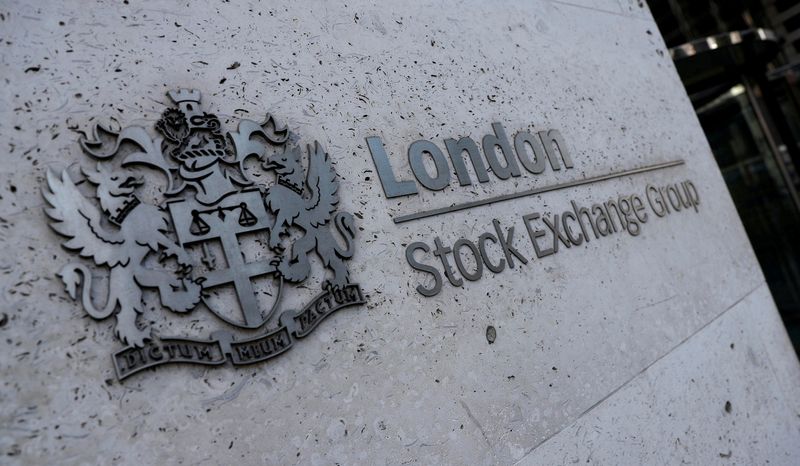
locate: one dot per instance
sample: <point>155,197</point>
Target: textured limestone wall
<point>646,349</point>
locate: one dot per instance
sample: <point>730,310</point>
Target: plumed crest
<point>148,153</point>
<point>97,174</point>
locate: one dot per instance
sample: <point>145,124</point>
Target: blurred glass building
<point>740,63</point>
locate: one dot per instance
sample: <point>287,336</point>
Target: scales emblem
<point>186,244</point>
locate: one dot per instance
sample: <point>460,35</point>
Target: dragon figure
<point>308,202</point>
<point>140,230</point>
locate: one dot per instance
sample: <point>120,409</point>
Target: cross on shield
<point>235,214</point>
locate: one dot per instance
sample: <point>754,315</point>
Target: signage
<point>535,235</point>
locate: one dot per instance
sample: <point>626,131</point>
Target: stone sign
<point>478,233</point>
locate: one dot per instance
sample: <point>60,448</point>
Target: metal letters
<point>547,145</point>
<point>548,233</point>
<point>208,199</point>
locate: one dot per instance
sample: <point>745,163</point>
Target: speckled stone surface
<point>624,350</point>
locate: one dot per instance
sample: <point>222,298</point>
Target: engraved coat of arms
<point>183,239</point>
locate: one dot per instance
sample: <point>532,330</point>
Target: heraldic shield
<point>210,202</point>
<point>236,213</point>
